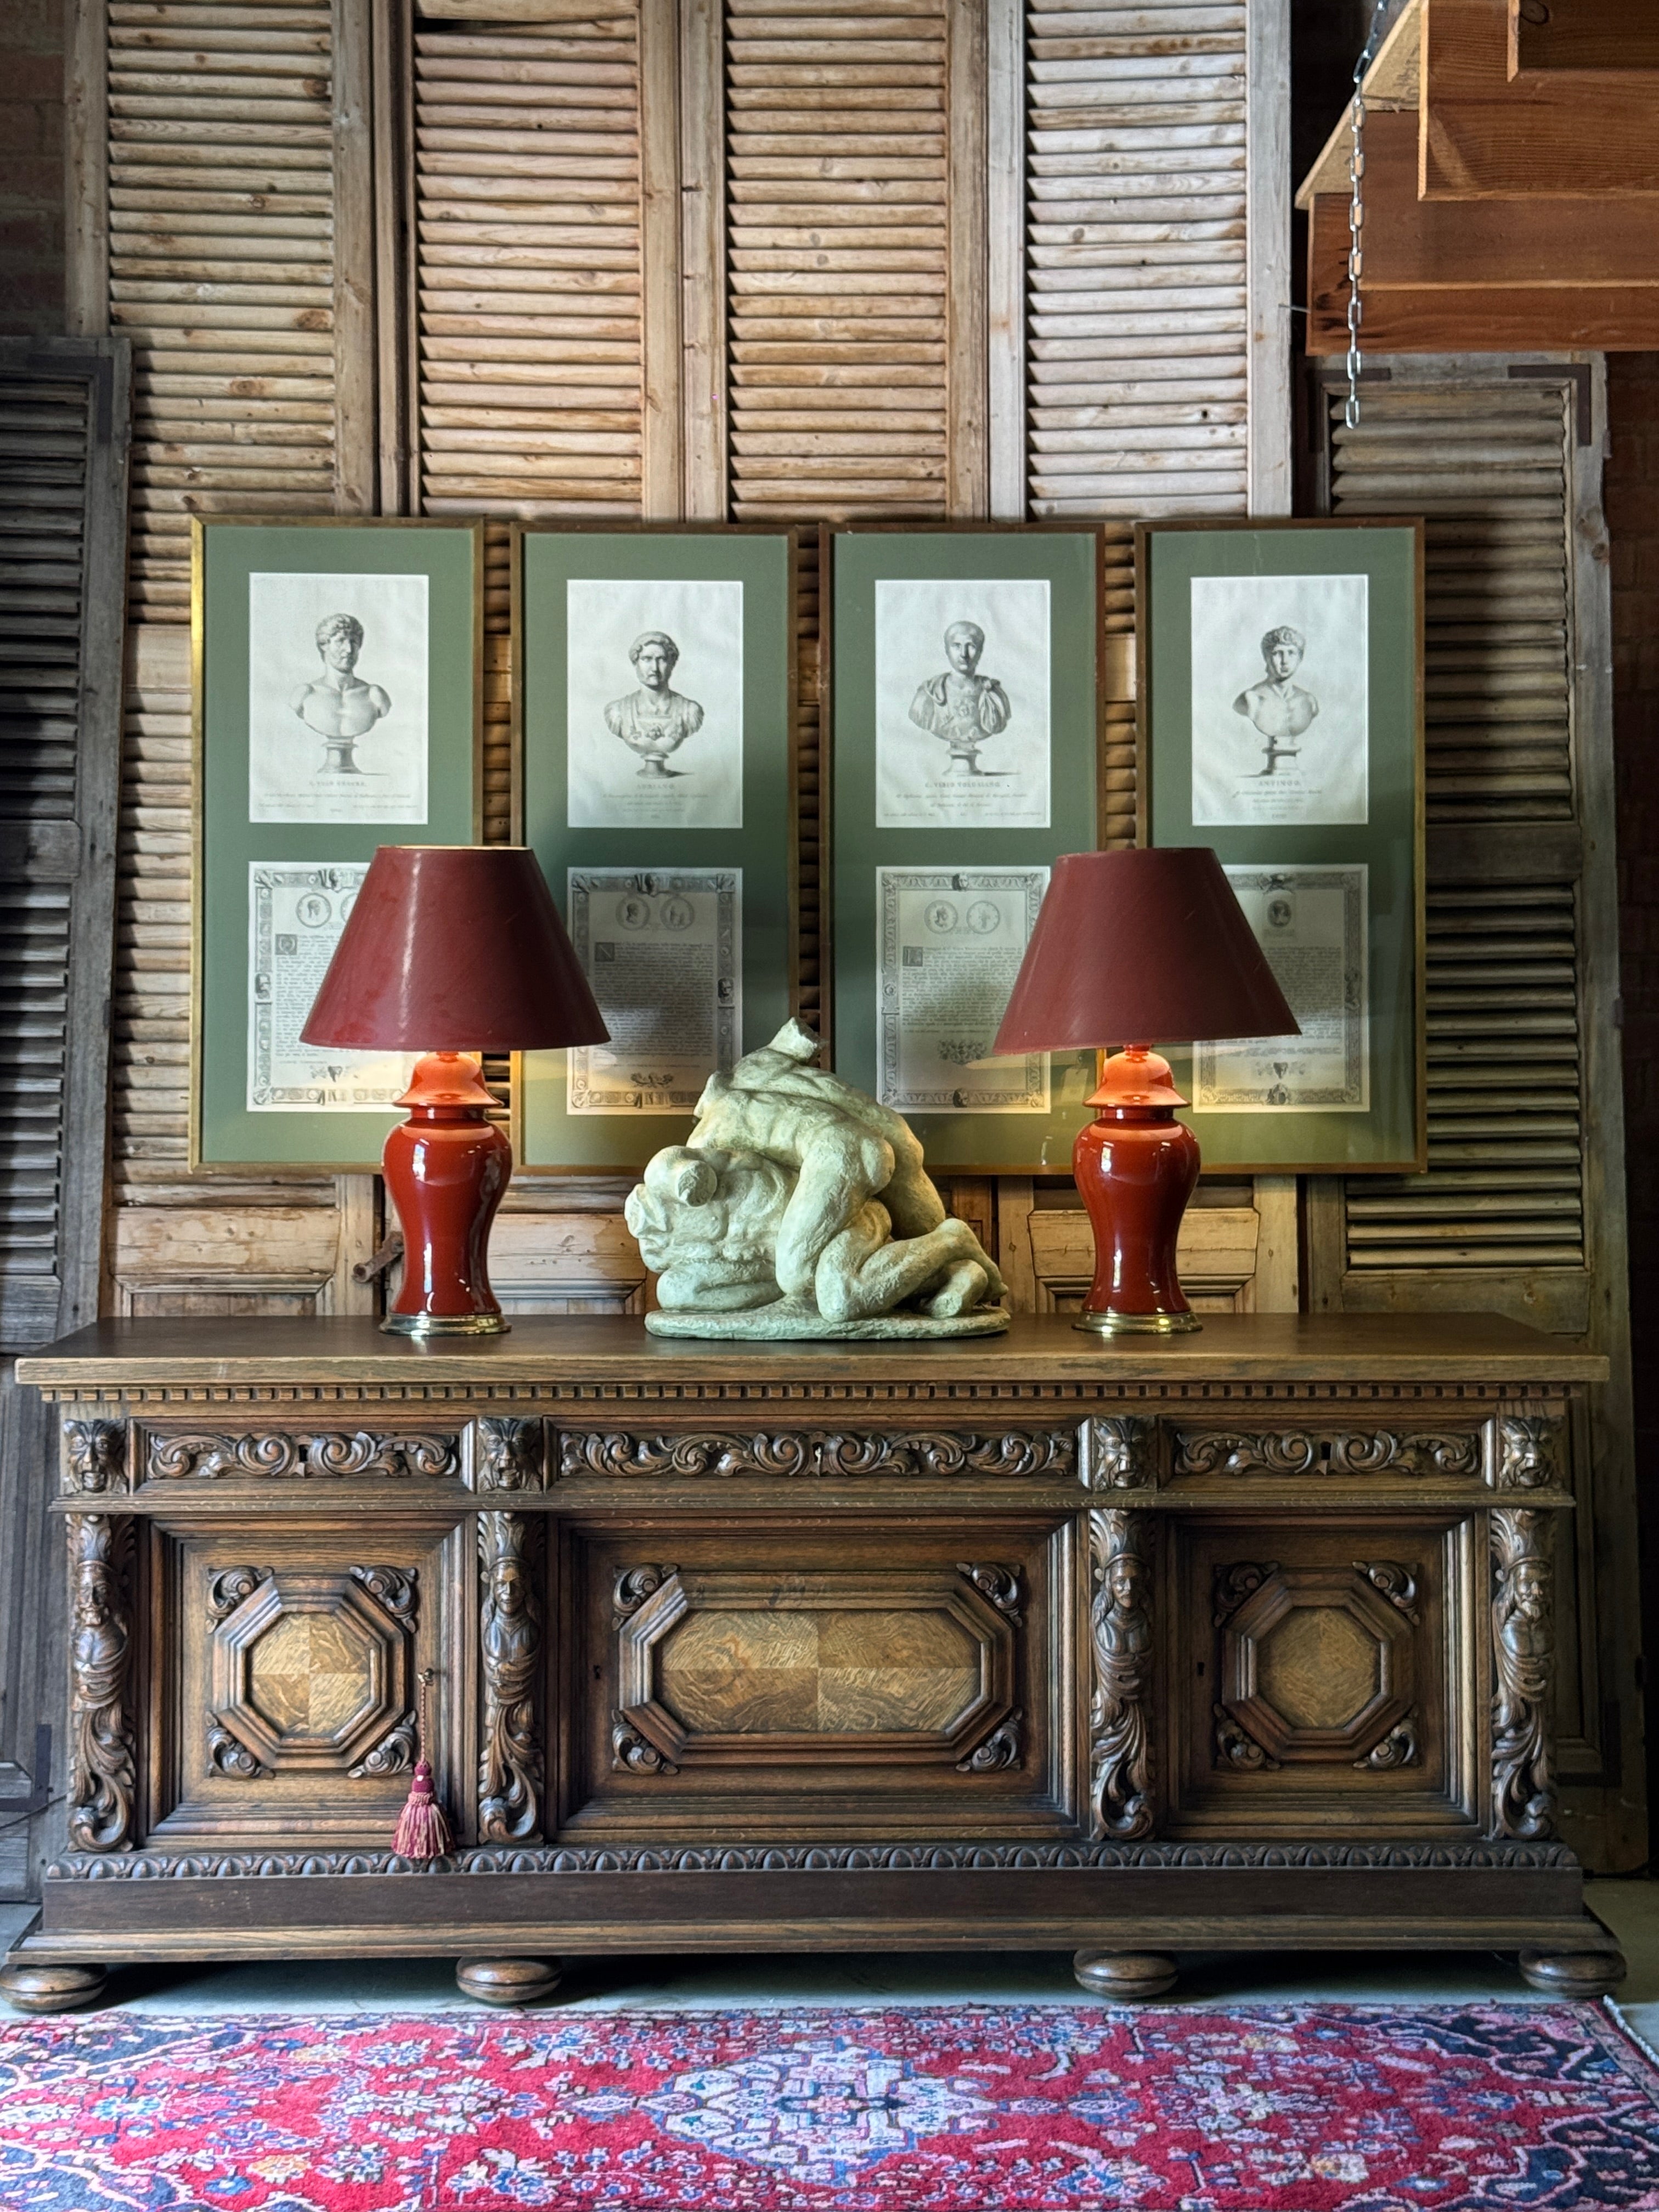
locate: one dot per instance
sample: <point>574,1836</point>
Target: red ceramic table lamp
<point>450,951</point>
<point>1132,946</point>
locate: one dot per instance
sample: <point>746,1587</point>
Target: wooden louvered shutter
<point>528,266</point>
<point>1522,1208</point>
<point>1491,462</point>
<point>65,406</point>
<point>221,270</point>
<point>837,241</point>
<point>1137,282</point>
<point>64,416</point>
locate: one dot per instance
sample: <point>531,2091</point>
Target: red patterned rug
<point>1262,2108</point>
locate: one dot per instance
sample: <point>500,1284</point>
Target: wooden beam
<point>86,168</point>
<point>1582,36</point>
<point>1485,276</point>
<point>357,438</point>
<point>1391,83</point>
<point>966,331</point>
<point>1267,231</point>
<point>1485,135</point>
<point>662,483</point>
<point>1005,256</point>
<point>703,257</point>
<point>392,154</point>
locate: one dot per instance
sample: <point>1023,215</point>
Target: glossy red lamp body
<point>451,951</point>
<point>1128,947</point>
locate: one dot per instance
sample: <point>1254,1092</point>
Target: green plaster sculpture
<point>800,1208</point>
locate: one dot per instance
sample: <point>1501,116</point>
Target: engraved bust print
<point>338,705</point>
<point>960,706</point>
<point>655,720</point>
<point>1278,706</point>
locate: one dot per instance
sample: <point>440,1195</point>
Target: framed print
<point>966,720</point>
<point>336,706</point>
<point>653,690</point>
<point>1281,722</point>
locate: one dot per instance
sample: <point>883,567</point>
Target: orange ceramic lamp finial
<point>1131,946</point>
<point>451,951</point>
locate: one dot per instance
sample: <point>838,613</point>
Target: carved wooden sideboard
<point>1244,1639</point>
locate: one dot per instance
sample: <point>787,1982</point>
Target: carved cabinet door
<point>1330,1672</point>
<point>842,1676</point>
<point>288,1657</point>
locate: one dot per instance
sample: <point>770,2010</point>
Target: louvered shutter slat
<point>837,262</point>
<point>527,195</point>
<point>221,270</point>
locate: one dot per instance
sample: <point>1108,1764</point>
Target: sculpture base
<point>786,1323</point>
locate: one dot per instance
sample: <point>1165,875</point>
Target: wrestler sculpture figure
<point>800,1207</point>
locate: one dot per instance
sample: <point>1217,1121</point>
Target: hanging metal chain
<point>1357,206</point>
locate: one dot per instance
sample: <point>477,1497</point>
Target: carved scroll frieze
<point>1523,1640</point>
<point>1235,1749</point>
<point>999,1585</point>
<point>834,1455</point>
<point>1121,1636</point>
<point>301,1456</point>
<point>508,1455</point>
<point>510,1640</point>
<point>1526,1453</point>
<point>1243,1578</point>
<point>631,1754</point>
<point>102,1741</point>
<point>685,1458</point>
<point>1215,1452</point>
<point>1398,1748</point>
<point>1288,1453</point>
<point>999,1751</point>
<point>1393,1581</point>
<point>1117,1452</point>
<point>633,1586</point>
<point>1387,1452</point>
<point>95,1457</point>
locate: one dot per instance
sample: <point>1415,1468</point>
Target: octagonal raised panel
<point>740,1666</point>
<point>1317,1665</point>
<point>310,1670</point>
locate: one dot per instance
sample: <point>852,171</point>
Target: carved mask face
<point>1123,1580</point>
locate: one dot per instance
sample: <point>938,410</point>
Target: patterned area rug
<point>1262,2108</point>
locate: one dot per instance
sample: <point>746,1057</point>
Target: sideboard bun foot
<point>1128,1977</point>
<point>1574,1973</point>
<point>507,1981</point>
<point>51,1989</point>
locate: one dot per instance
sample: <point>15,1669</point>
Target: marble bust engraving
<point>338,705</point>
<point>655,720</point>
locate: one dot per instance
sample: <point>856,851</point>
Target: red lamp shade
<point>454,948</point>
<point>1130,947</point>
<point>450,949</point>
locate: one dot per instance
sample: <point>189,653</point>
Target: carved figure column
<point>102,1744</point>
<point>1523,1646</point>
<point>1120,1632</point>
<point>510,1643</point>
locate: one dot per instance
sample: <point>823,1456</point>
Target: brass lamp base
<point>1150,1324</point>
<point>484,1324</point>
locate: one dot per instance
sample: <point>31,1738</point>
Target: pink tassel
<point>422,1831</point>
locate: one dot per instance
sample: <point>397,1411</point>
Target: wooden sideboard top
<point>604,1349</point>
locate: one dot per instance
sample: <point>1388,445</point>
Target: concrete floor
<point>1630,1908</point>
